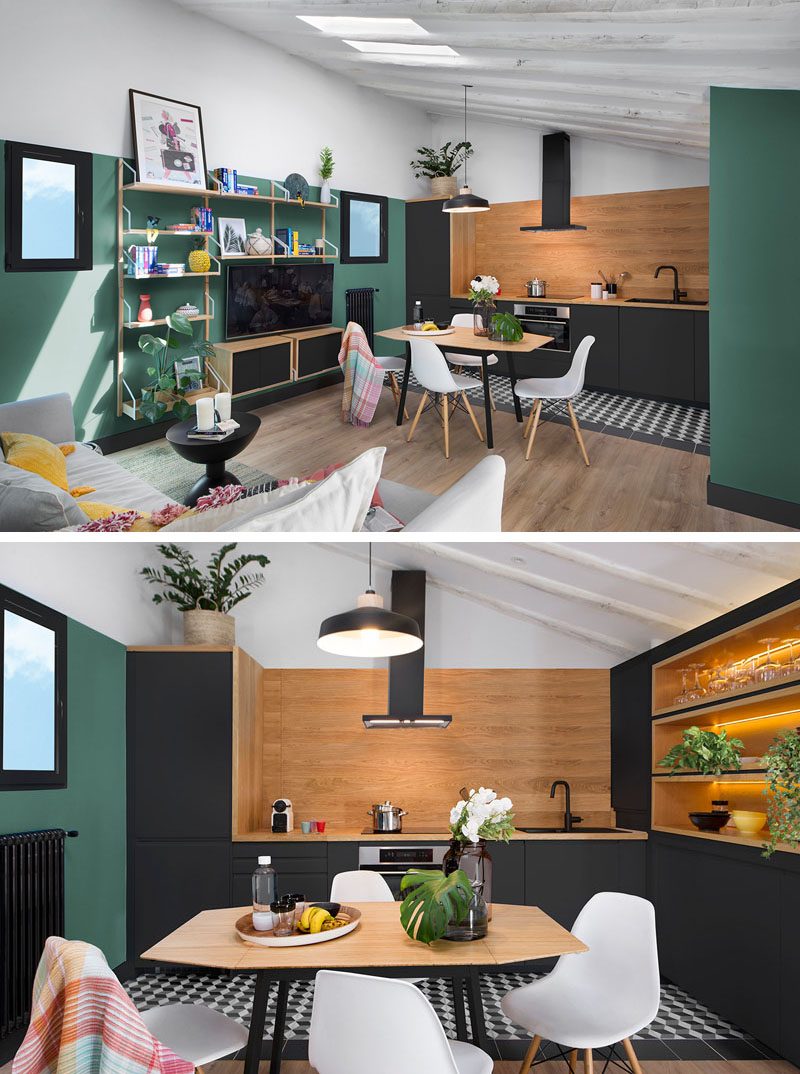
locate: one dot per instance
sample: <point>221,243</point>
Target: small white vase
<point>325,192</point>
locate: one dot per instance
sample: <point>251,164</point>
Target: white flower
<point>455,812</point>
<point>485,283</point>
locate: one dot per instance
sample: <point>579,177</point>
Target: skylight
<point>399,48</point>
<point>350,26</point>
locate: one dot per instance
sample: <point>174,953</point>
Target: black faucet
<point>569,816</point>
<point>677,294</point>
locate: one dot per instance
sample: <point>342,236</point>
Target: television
<point>265,298</point>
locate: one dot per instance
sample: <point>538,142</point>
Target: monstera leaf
<point>432,902</point>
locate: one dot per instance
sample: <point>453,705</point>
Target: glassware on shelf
<point>683,697</point>
<point>771,669</point>
<point>697,691</point>
<point>792,665</point>
<point>718,682</point>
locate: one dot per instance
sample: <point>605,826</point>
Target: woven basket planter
<point>208,628</point>
<point>444,186</point>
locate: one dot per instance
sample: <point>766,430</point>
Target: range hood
<point>407,672</point>
<point>555,185</point>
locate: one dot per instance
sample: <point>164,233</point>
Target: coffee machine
<point>282,815</point>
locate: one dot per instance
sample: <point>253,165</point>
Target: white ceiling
<point>635,72</point>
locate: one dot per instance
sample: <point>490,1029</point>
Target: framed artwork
<point>48,209</point>
<point>167,141</point>
<point>364,236</point>
<point>232,236</point>
<point>189,374</point>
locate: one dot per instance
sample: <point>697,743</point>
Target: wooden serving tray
<point>246,932</point>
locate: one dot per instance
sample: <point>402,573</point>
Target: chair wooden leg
<point>588,1062</point>
<point>536,415</point>
<point>471,413</point>
<point>573,1061</point>
<point>527,426</point>
<point>446,423</point>
<point>530,1055</point>
<point>577,430</point>
<point>417,416</point>
<point>631,1054</point>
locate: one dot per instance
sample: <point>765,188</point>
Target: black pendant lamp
<point>465,201</point>
<point>369,630</point>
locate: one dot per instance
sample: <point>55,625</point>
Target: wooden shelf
<point>276,257</point>
<point>160,276</point>
<point>757,842</point>
<point>159,188</point>
<point>167,232</point>
<point>163,320</point>
<point>133,411</point>
<point>746,775</point>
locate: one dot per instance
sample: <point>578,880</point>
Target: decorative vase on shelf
<point>258,244</point>
<point>444,186</point>
<point>325,192</point>
<point>482,317</point>
<point>476,861</point>
<point>201,627</point>
<point>145,311</point>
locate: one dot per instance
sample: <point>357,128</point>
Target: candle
<point>205,414</point>
<point>262,920</point>
<point>222,403</point>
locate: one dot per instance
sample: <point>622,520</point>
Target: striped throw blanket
<point>84,1022</point>
<point>363,377</point>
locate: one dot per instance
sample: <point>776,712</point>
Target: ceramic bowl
<point>748,822</point>
<point>709,822</point>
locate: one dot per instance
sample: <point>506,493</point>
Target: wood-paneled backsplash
<point>625,233</point>
<point>514,730</point>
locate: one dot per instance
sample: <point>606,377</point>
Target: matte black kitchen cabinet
<point>563,874</point>
<point>656,354</point>
<point>427,253</point>
<point>631,688</point>
<point>302,869</point>
<point>701,378</point>
<point>602,369</point>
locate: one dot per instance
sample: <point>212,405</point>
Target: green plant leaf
<point>180,323</point>
<point>182,409</point>
<point>782,790</point>
<point>432,901</point>
<point>708,752</point>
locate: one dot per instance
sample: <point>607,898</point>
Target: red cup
<point>320,825</point>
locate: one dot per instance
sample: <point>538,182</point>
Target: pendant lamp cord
<point>466,150</point>
<point>370,564</point>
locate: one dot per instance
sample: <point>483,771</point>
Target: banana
<point>305,920</point>
<point>318,919</point>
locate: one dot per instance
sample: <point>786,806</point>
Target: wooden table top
<point>464,339</point>
<point>516,934</point>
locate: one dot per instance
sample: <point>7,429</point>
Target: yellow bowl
<point>747,822</point>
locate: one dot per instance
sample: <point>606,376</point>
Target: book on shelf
<point>226,177</point>
<point>290,238</point>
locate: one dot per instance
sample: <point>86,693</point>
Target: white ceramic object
<point>258,244</point>
<point>418,332</point>
<point>325,192</point>
<point>246,932</point>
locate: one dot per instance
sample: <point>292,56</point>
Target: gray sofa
<point>29,503</point>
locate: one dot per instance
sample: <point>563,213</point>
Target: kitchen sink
<point>563,831</point>
<point>667,302</point>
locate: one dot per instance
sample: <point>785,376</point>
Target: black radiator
<point>360,307</point>
<point>31,909</point>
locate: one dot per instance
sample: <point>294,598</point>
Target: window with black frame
<point>33,695</point>
<point>364,237</point>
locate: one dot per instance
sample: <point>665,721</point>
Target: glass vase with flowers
<point>482,291</point>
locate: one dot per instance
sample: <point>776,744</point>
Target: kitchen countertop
<point>351,835</point>
<point>583,300</point>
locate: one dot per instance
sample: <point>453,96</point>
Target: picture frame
<point>189,373</point>
<point>232,236</point>
<point>168,144</point>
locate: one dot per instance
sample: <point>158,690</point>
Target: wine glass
<point>683,697</point>
<point>698,691</point>
<point>718,682</point>
<point>770,670</point>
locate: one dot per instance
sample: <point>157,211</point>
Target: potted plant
<point>478,816</point>
<point>163,390</point>
<point>481,293</point>
<point>433,901</point>
<point>505,328</point>
<point>782,761</point>
<point>708,752</point>
<point>441,165</point>
<point>325,173</point>
<point>205,596</point>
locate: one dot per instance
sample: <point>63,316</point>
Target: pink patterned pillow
<point>220,497</point>
<point>118,522</point>
<point>167,514</point>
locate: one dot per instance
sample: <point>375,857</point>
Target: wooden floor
<point>629,486</point>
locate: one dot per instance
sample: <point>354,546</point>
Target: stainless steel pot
<point>537,288</point>
<point>387,818</point>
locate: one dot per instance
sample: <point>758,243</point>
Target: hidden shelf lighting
<point>373,722</point>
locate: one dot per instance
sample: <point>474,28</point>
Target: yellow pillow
<point>37,455</point>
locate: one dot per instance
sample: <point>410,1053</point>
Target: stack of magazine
<point>219,431</point>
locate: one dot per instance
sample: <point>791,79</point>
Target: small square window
<point>364,236</point>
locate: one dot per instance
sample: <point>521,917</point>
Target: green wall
<point>60,327</point>
<point>754,241</point>
<point>94,799</point>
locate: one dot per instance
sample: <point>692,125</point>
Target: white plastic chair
<point>195,1032</point>
<point>603,996</point>
<point>357,1018</point>
<point>564,388</point>
<point>469,361</point>
<point>360,886</point>
<point>392,365</point>
<point>434,375</point>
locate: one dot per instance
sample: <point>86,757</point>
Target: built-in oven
<point>393,862</point>
<point>544,320</point>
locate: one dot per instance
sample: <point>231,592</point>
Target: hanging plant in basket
<point>782,760</point>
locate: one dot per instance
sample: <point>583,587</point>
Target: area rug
<point>163,468</point>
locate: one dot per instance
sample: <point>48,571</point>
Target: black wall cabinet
<point>630,743</point>
<point>602,369</point>
<point>428,257</point>
<point>656,354</point>
<point>302,869</point>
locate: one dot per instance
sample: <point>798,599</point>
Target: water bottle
<point>265,892</point>
<point>418,314</point>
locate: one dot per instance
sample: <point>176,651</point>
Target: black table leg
<point>457,984</point>
<point>280,1025</point>
<point>404,388</point>
<point>512,376</point>
<point>257,1018</point>
<point>487,400</point>
<point>215,475</point>
<point>479,1035</point>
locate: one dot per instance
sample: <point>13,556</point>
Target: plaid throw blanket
<point>84,1022</point>
<point>363,377</point>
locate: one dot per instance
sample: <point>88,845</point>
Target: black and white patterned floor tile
<point>680,1018</point>
<point>674,425</point>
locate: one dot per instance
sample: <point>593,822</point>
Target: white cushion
<point>473,504</point>
<point>31,504</point>
<point>112,483</point>
<point>337,504</point>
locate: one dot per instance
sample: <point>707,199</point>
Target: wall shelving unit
<point>216,380</point>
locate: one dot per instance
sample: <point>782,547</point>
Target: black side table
<point>213,454</point>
